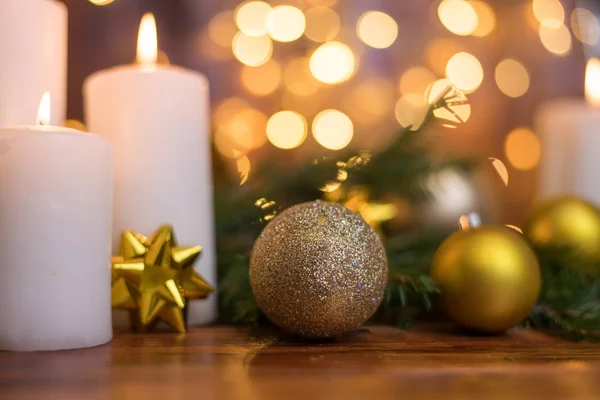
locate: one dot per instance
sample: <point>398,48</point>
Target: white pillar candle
<point>569,131</point>
<point>55,235</point>
<point>33,59</point>
<point>157,119</point>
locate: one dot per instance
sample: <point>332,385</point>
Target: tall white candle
<point>157,119</point>
<point>33,59</point>
<point>569,130</point>
<point>55,235</point>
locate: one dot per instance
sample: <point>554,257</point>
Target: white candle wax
<point>33,59</point>
<point>157,119</point>
<point>569,131</point>
<point>55,236</point>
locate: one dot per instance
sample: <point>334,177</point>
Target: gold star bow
<point>153,278</point>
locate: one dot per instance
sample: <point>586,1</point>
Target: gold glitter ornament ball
<point>489,278</point>
<point>318,270</point>
<point>566,221</point>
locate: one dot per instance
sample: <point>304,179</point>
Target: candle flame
<point>43,115</point>
<point>147,47</point>
<point>592,82</point>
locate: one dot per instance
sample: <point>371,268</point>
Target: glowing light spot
<point>332,62</point>
<point>500,169</point>
<point>556,41</point>
<point>458,16</point>
<point>522,148</point>
<point>592,82</point>
<point>227,109</point>
<point>251,17</point>
<point>485,16</point>
<point>222,29</point>
<point>286,129</point>
<point>585,26</point>
<point>286,23</point>
<point>465,72</point>
<point>377,29</point>
<point>371,100</point>
<point>438,53</point>
<point>213,51</point>
<point>243,131</point>
<point>262,80</point>
<point>333,129</point>
<point>304,105</point>
<point>512,78</point>
<point>298,79</point>
<point>147,45</point>
<point>549,13</point>
<point>457,110</point>
<point>252,51</point>
<point>322,24</point>
<point>416,80</point>
<point>411,110</point>
<point>101,2</point>
<point>44,110</point>
<point>324,3</point>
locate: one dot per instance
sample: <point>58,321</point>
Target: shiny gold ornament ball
<point>488,276</point>
<point>318,270</point>
<point>566,221</point>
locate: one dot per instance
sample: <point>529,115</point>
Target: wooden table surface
<point>373,363</point>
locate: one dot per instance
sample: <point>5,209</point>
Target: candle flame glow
<point>147,47</point>
<point>592,82</point>
<point>43,115</point>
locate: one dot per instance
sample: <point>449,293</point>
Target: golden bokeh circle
<point>333,129</point>
<point>332,62</point>
<point>252,50</point>
<point>512,78</point>
<point>322,24</point>
<point>287,129</point>
<point>523,149</point>
<point>377,29</point>
<point>465,72</point>
<point>262,80</point>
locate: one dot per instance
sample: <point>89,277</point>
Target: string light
<point>465,72</point>
<point>286,23</point>
<point>377,29</point>
<point>332,129</point>
<point>286,129</point>
<point>512,78</point>
<point>252,50</point>
<point>332,62</point>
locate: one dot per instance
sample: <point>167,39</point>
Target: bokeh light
<point>286,23</point>
<point>252,50</point>
<point>465,72</point>
<point>324,3</point>
<point>592,82</point>
<point>286,129</point>
<point>585,26</point>
<point>243,131</point>
<point>251,17</point>
<point>549,13</point>
<point>332,62</point>
<point>486,18</point>
<point>370,100</point>
<point>458,16</point>
<point>416,80</point>
<point>438,52</point>
<point>222,29</point>
<point>411,110</point>
<point>377,29</point>
<point>307,106</point>
<point>262,80</point>
<point>298,79</point>
<point>512,78</point>
<point>322,24</point>
<point>211,50</point>
<point>101,2</point>
<point>522,148</point>
<point>458,111</point>
<point>228,109</point>
<point>556,41</point>
<point>332,129</point>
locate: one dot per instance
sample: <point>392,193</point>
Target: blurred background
<point>299,79</point>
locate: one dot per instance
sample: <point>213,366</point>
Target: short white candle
<point>157,119</point>
<point>55,235</point>
<point>33,59</point>
<point>569,130</point>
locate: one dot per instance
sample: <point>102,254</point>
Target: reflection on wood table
<point>374,363</point>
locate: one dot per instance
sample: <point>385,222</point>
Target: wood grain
<point>373,363</point>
